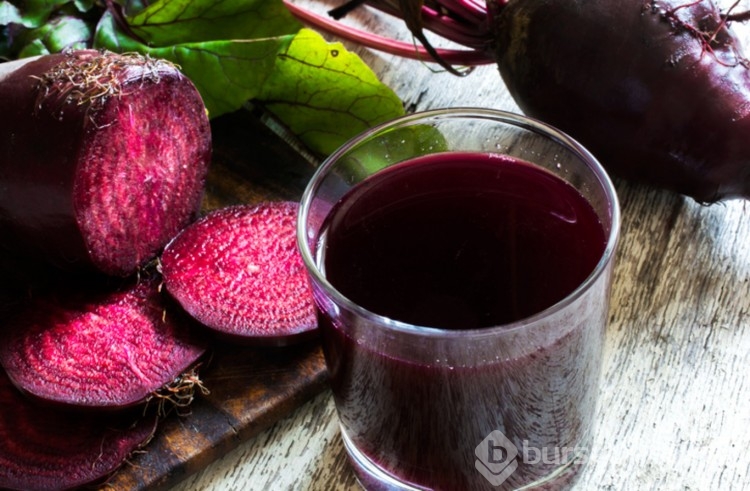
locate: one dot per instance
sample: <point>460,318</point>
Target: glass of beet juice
<point>461,262</point>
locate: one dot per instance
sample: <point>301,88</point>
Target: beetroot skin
<point>106,350</point>
<point>659,91</point>
<point>238,271</point>
<point>47,449</point>
<point>103,158</point>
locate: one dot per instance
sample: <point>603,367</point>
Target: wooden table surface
<point>674,410</point>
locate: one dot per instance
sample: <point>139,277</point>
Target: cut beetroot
<point>112,350</point>
<point>103,158</point>
<point>46,449</point>
<point>238,271</point>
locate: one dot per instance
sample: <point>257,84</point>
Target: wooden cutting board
<point>250,388</point>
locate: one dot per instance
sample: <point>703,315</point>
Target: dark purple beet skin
<point>99,173</point>
<point>638,83</point>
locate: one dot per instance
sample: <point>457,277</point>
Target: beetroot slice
<point>44,449</point>
<point>238,271</point>
<point>103,158</point>
<point>111,350</point>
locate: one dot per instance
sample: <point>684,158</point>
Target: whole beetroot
<point>103,158</point>
<point>658,90</point>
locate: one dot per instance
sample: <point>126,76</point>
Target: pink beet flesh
<point>103,159</point>
<point>46,449</point>
<point>140,180</point>
<point>238,271</point>
<point>114,350</point>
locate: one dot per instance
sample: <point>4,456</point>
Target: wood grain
<point>674,410</point>
<point>250,390</point>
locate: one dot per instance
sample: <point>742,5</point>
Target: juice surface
<point>461,241</point>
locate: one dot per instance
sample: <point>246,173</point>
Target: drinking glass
<point>506,406</point>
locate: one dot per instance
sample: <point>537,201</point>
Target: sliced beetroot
<point>110,350</point>
<point>103,158</point>
<point>44,449</point>
<point>238,271</point>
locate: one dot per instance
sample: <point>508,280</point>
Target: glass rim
<point>515,119</point>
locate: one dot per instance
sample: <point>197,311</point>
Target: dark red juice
<point>463,241</point>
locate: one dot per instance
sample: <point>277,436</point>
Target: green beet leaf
<point>253,50</point>
<point>326,94</point>
<point>227,73</point>
<point>32,13</point>
<point>35,13</point>
<point>60,33</point>
<point>164,23</point>
<point>38,27</point>
<point>9,14</point>
<point>392,147</point>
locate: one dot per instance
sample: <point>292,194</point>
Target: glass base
<point>370,476</point>
<point>374,478</point>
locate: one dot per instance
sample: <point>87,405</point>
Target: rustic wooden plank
<point>251,388</point>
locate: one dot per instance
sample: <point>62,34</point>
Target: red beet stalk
<point>103,158</point>
<point>238,271</point>
<point>470,33</point>
<point>88,349</point>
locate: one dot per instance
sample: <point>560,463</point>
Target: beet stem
<point>343,10</point>
<point>470,57</point>
<point>739,17</point>
<point>117,13</point>
<point>466,9</point>
<point>457,30</point>
<point>708,39</point>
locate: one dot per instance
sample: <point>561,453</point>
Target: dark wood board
<point>250,388</point>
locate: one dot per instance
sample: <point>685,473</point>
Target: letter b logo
<point>496,458</point>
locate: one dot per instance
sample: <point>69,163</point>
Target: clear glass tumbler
<point>424,406</point>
